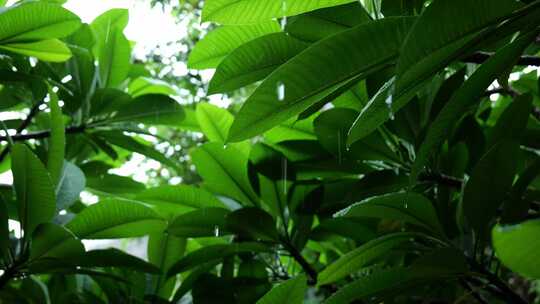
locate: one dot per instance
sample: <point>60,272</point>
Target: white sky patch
<point>147,26</point>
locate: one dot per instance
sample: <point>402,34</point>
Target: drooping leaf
<point>488,185</point>
<point>518,248</point>
<point>52,241</point>
<point>33,187</point>
<point>57,140</point>
<point>253,61</point>
<point>317,72</point>
<point>163,251</point>
<point>52,50</point>
<point>212,253</point>
<point>170,199</point>
<point>115,218</point>
<point>291,291</point>
<point>144,86</point>
<point>252,222</point>
<point>224,170</point>
<point>4,230</point>
<point>408,207</point>
<point>199,223</point>
<point>246,11</point>
<point>114,59</point>
<point>152,109</point>
<point>466,97</point>
<point>213,48</point>
<point>72,182</point>
<point>215,122</point>
<point>113,258</point>
<point>361,257</point>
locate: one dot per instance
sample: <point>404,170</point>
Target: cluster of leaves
<point>389,153</point>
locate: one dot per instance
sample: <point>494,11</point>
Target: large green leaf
<point>36,21</point>
<point>254,11</point>
<point>34,189</point>
<point>225,171</point>
<point>518,248</point>
<point>57,140</point>
<point>437,38</point>
<point>112,48</point>
<point>214,121</point>
<point>253,61</point>
<point>317,72</point>
<point>52,241</point>
<point>362,256</point>
<point>113,258</point>
<point>466,97</point>
<point>489,183</point>
<point>174,200</point>
<point>4,230</point>
<point>199,223</point>
<point>152,109</point>
<point>325,22</point>
<point>214,252</point>
<point>47,50</point>
<point>72,182</point>
<point>215,46</point>
<point>115,218</point>
<point>252,222</point>
<point>164,250</point>
<point>409,207</point>
<point>291,292</point>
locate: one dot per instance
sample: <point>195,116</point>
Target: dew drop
<point>389,100</point>
<point>281,91</point>
<point>216,230</point>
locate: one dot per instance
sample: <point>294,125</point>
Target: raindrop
<point>406,205</point>
<point>284,175</point>
<point>281,91</point>
<point>389,101</point>
<point>216,230</point>
<point>224,146</point>
<point>339,145</point>
<point>283,21</point>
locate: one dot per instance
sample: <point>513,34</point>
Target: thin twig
<point>481,57</point>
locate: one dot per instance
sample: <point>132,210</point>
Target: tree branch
<point>297,256</point>
<point>480,57</point>
<point>33,112</point>
<point>43,134</point>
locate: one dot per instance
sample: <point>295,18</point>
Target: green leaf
<point>437,38</point>
<point>214,121</point>
<point>36,21</point>
<point>409,207</point>
<point>215,46</point>
<point>518,248</point>
<point>47,50</point>
<point>53,241</point>
<point>317,72</point>
<point>164,250</point>
<point>144,85</point>
<point>466,97</point>
<point>199,223</point>
<point>34,189</point>
<point>4,230</point>
<point>225,171</point>
<point>362,256</point>
<point>513,121</point>
<point>72,182</point>
<point>292,130</point>
<point>114,184</point>
<point>213,253</point>
<point>319,24</point>
<point>57,140</point>
<point>291,291</point>
<point>252,222</point>
<point>253,61</point>
<point>113,258</point>
<point>114,59</point>
<point>174,200</point>
<point>152,109</point>
<point>488,185</point>
<point>255,11</point>
<point>114,218</point>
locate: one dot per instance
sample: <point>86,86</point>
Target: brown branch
<point>26,122</point>
<point>481,57</point>
<point>442,179</point>
<point>297,256</point>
